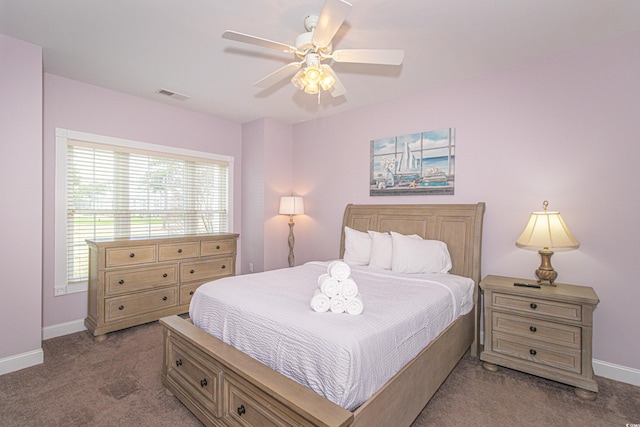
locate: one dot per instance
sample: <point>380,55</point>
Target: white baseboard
<point>21,361</point>
<point>63,329</point>
<point>617,372</point>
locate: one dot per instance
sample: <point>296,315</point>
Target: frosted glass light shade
<point>290,205</point>
<point>547,230</point>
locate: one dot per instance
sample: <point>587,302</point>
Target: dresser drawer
<point>207,269</point>
<point>196,377</point>
<point>186,292</point>
<point>118,257</point>
<point>540,352</point>
<point>219,247</point>
<point>174,251</point>
<point>542,307</point>
<point>249,407</point>
<point>124,281</point>
<point>541,330</point>
<point>118,308</point>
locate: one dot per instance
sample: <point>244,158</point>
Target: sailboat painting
<point>413,164</point>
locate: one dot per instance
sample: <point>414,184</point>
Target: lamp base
<point>546,273</point>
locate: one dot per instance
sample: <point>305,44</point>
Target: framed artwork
<point>414,164</point>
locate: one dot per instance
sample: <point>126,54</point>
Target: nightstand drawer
<point>537,329</point>
<point>537,306</point>
<point>543,353</point>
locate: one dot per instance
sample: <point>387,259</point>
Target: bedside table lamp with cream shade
<point>544,231</point>
<point>290,205</point>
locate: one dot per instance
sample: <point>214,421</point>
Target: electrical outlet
<point>250,267</point>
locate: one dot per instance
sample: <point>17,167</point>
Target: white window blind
<point>122,192</point>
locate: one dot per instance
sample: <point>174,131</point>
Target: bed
<point>223,386</point>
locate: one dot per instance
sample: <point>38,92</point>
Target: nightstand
<point>542,331</point>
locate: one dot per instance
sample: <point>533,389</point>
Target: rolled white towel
<point>338,304</point>
<point>339,270</point>
<point>348,289</point>
<point>328,285</point>
<point>354,306</point>
<point>320,302</point>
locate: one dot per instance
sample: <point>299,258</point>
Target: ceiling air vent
<point>172,94</point>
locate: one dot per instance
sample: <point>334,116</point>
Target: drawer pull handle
<point>190,292</point>
<point>533,305</point>
<point>218,247</point>
<point>224,266</point>
<point>179,251</point>
<point>121,282</point>
<point>164,298</point>
<point>192,271</point>
<point>121,307</point>
<point>164,275</point>
<point>241,410</point>
<point>533,352</point>
<point>179,362</point>
<point>203,382</point>
<point>131,255</point>
<point>533,328</point>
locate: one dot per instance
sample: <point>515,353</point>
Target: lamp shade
<point>290,205</point>
<point>547,230</point>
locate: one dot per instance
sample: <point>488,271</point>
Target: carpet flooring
<point>117,383</point>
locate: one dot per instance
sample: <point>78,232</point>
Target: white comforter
<point>342,357</point>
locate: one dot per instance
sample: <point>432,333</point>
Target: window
<point>113,188</point>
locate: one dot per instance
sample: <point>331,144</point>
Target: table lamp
<point>290,205</point>
<point>546,230</point>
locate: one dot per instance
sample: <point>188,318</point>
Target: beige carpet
<point>117,383</point>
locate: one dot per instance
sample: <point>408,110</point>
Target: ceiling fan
<point>313,47</point>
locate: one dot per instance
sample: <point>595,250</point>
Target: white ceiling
<point>140,46</point>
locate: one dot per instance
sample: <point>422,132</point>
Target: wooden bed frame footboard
<point>224,387</point>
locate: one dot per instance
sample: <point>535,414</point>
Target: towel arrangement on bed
<point>337,291</point>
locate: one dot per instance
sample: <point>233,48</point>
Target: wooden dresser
<point>543,331</point>
<point>135,281</point>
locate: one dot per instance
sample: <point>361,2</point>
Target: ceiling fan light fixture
<point>327,80</point>
<point>314,77</point>
<point>312,74</point>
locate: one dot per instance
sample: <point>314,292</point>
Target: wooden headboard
<point>459,226</point>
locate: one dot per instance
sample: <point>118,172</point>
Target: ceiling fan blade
<point>258,41</point>
<point>369,56</point>
<point>338,88</point>
<point>331,18</point>
<point>278,75</point>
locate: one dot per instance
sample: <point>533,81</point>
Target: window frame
<point>61,284</point>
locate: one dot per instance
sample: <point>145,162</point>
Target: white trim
<point>617,372</point>
<point>61,286</point>
<point>61,329</point>
<point>21,361</point>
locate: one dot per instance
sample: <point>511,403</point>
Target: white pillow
<point>357,247</point>
<point>412,255</point>
<point>381,250</point>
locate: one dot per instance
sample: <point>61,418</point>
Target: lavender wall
<point>565,129</point>
<point>21,195</point>
<point>266,154</point>
<point>81,107</point>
